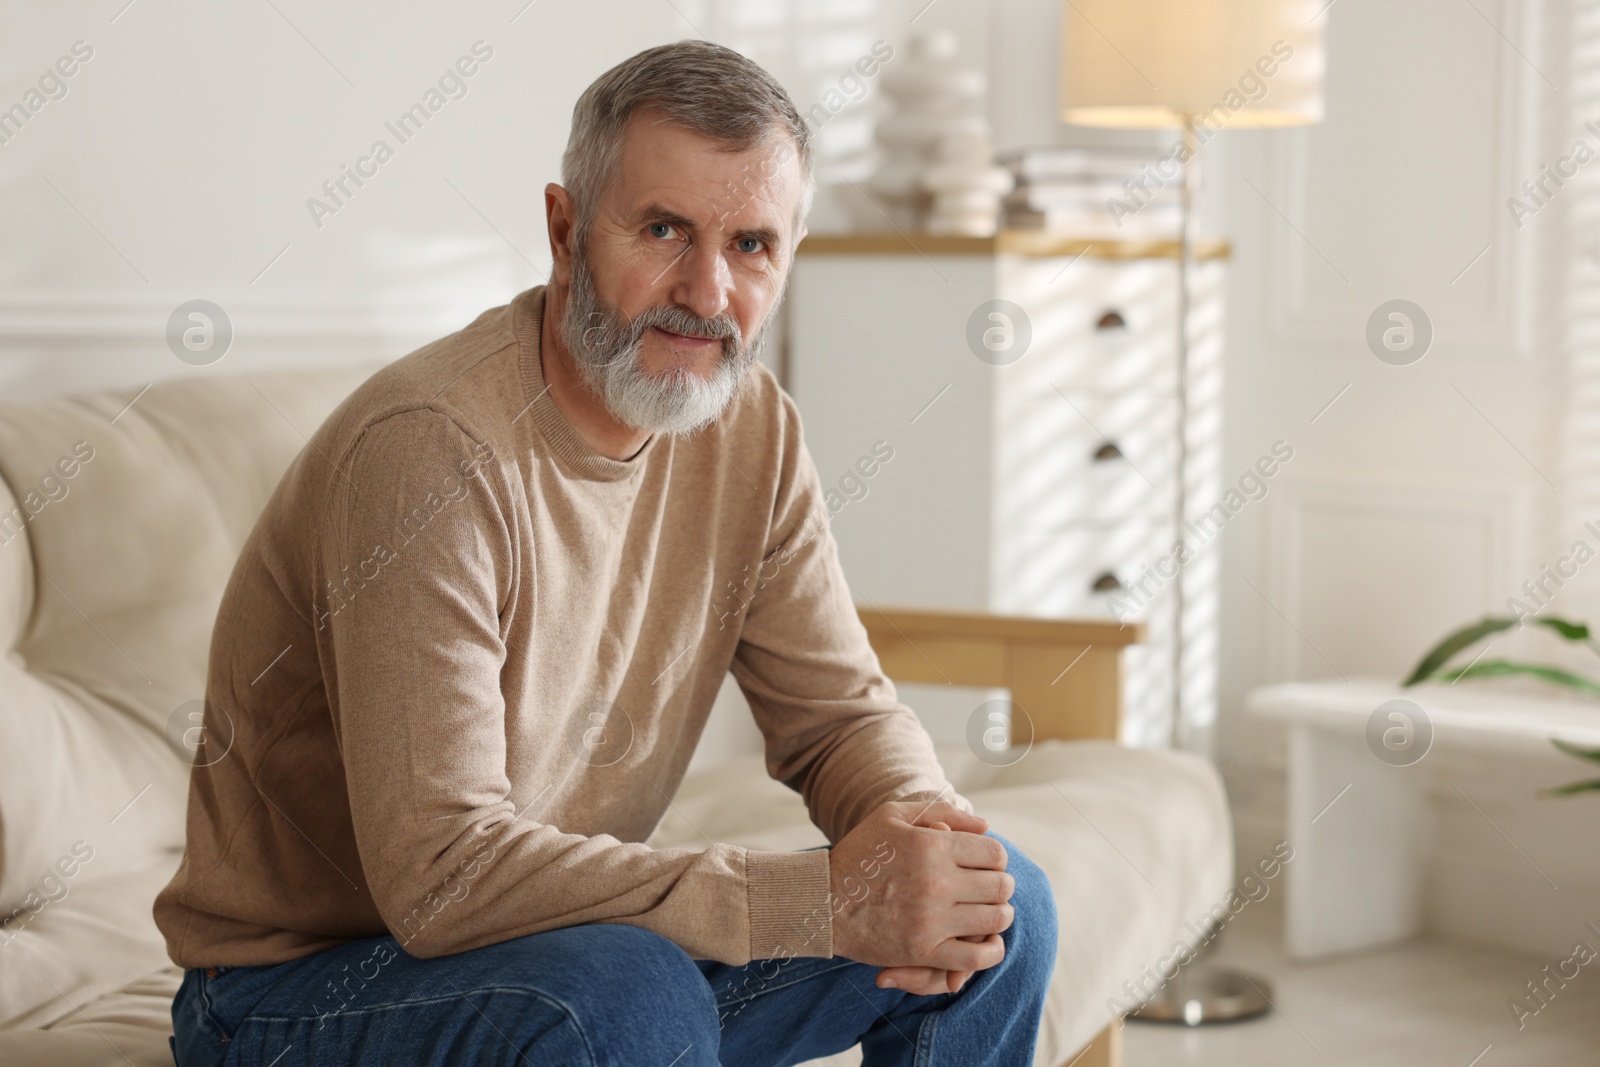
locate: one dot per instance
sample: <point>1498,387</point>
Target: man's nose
<point>702,281</point>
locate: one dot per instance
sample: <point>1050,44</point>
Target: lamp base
<point>1203,995</point>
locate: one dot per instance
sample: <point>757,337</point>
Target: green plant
<point>1432,665</point>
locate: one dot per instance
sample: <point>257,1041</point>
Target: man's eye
<point>750,245</point>
<point>662,230</point>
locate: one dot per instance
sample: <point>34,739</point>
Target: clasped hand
<point>921,892</point>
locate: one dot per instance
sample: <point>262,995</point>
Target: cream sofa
<point>119,525</point>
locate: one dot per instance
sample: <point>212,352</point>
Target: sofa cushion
<point>119,527</point>
<point>130,1025</point>
<point>95,940</point>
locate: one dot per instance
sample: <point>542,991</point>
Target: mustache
<point>681,320</point>
<point>621,336</point>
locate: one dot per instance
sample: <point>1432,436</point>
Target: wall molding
<point>139,318</point>
<point>1502,511</point>
<point>1301,316</point>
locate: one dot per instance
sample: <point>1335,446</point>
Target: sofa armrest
<point>1065,674</point>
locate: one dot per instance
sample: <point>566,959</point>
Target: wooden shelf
<point>1006,242</point>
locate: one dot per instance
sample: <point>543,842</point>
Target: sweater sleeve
<point>419,556</point>
<point>834,728</point>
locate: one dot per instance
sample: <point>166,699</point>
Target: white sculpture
<point>966,185</point>
<point>932,96</point>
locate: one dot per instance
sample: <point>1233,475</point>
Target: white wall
<point>179,164</point>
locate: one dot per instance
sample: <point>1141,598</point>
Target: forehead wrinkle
<point>748,184</point>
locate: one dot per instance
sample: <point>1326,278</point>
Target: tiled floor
<point>1424,1004</point>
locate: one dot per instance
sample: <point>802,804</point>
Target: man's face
<point>688,256</point>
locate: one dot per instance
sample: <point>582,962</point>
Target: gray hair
<point>696,85</point>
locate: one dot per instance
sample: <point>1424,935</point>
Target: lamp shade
<point>1162,63</point>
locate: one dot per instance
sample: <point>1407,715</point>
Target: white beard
<point>606,345</point>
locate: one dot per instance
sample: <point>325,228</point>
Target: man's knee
<point>1033,931</point>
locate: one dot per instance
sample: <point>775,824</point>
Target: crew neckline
<point>564,441</point>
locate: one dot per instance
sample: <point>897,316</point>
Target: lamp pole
<point>1203,992</point>
<point>1178,734</point>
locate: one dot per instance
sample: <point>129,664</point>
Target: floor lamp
<point>1198,66</point>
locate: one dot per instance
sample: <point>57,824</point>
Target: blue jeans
<point>611,995</point>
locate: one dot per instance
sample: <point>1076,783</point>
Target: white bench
<point>1355,820</point>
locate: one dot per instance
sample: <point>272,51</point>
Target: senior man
<point>470,645</point>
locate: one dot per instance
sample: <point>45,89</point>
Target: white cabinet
<point>1043,484</point>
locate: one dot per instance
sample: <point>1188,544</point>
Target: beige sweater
<point>465,659</point>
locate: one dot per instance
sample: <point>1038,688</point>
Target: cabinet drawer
<point>1076,457</point>
<point>1067,573</point>
<point>1096,324</point>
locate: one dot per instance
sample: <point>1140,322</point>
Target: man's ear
<point>559,219</point>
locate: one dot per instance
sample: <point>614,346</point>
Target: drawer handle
<point>1107,452</point>
<point>1111,320</point>
<point>1106,583</point>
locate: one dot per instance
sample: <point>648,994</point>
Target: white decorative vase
<point>965,185</point>
<point>931,95</point>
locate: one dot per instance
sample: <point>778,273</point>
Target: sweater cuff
<point>930,796</point>
<point>788,897</point>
